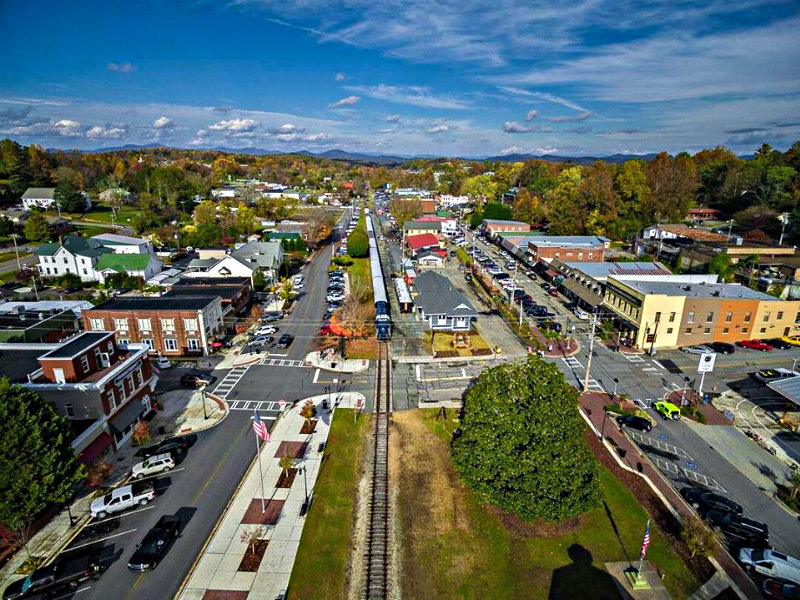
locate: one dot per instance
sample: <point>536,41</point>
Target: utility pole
<point>784,219</point>
<point>591,350</point>
<point>16,251</point>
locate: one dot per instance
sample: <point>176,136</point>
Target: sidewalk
<point>218,571</point>
<point>330,361</point>
<point>183,413</point>
<point>633,460</point>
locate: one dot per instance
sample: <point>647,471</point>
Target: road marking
<point>219,464</point>
<point>101,540</point>
<point>123,514</point>
<point>146,477</point>
<point>634,358</point>
<point>316,375</point>
<point>700,478</point>
<point>72,593</point>
<point>253,405</point>
<point>594,386</point>
<point>572,362</point>
<point>281,362</point>
<point>665,465</point>
<point>641,403</point>
<point>671,448</point>
<point>658,364</point>
<point>229,382</point>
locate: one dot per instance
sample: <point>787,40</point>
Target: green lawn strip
<point>463,256</point>
<point>516,566</point>
<point>92,230</point>
<point>7,256</point>
<point>320,565</point>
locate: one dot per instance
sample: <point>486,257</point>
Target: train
<point>383,322</point>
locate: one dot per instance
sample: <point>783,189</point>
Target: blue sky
<point>413,77</point>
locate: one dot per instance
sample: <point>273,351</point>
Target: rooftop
<point>17,364</point>
<point>694,233</point>
<point>38,192</point>
<point>124,262</point>
<point>423,240</point>
<point>697,290</point>
<point>176,302</point>
<point>569,240</point>
<point>119,240</point>
<point>74,244</point>
<point>605,269</point>
<point>503,222</point>
<point>432,225</point>
<point>78,344</point>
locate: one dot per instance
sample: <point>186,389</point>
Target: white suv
<point>160,463</point>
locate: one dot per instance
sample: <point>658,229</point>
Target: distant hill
<point>578,160</point>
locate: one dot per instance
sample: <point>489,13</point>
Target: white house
<point>449,201</point>
<point>123,244</point>
<point>244,261</point>
<point>38,198</point>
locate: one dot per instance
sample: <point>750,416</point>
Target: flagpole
<point>641,559</point>
<point>260,472</point>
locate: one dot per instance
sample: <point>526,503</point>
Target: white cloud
<point>440,127</point>
<point>68,128</point>
<point>573,119</point>
<point>348,101</point>
<point>287,128</point>
<point>414,95</point>
<point>516,127</point>
<point>108,131</point>
<point>531,115</point>
<point>393,118</point>
<point>340,76</point>
<point>387,130</point>
<point>235,125</point>
<point>124,67</point>
<point>512,150</point>
<point>163,123</point>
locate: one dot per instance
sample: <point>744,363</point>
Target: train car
<point>383,323</point>
<point>403,295</point>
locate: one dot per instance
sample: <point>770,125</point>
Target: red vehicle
<point>326,330</point>
<point>755,345</point>
<point>553,292</point>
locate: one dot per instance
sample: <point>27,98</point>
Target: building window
<point>143,324</point>
<point>193,344</point>
<point>747,317</point>
<point>658,317</point>
<point>85,272</point>
<point>170,344</point>
<point>709,317</point>
<point>672,317</point>
<point>763,330</point>
<point>85,363</point>
<point>190,324</point>
<point>766,317</point>
<point>669,329</point>
<point>688,330</point>
<point>725,330</point>
<point>124,342</point>
<point>97,324</point>
<point>121,324</point>
<point>707,330</point>
<point>728,317</point>
<point>580,255</point>
<point>691,318</point>
<point>137,377</point>
<point>122,392</point>
<point>744,329</point>
<point>168,324</point>
<point>149,343</point>
<point>68,408</point>
<point>590,256</point>
<point>780,315</point>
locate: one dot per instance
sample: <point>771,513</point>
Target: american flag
<point>260,428</point>
<point>646,540</point>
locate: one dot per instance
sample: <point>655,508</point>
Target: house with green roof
<point>135,265</point>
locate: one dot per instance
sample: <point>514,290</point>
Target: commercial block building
<point>492,227</point>
<point>567,248</point>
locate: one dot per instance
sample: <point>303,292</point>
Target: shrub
<point>358,244</point>
<point>141,433</point>
<point>308,411</point>
<point>99,473</point>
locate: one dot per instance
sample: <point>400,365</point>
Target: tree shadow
<point>581,579</point>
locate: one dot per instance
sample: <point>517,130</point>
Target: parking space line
<point>108,537</point>
<point>125,514</point>
<point>160,474</point>
<point>665,465</point>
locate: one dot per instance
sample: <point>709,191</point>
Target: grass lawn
<point>322,557</point>
<point>442,342</point>
<point>455,547</point>
<point>7,256</point>
<point>101,213</point>
<point>92,230</point>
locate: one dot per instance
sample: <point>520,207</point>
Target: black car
<point>551,325</point>
<point>722,347</point>
<point>740,530</point>
<point>635,422</point>
<point>779,344</point>
<point>545,286</point>
<point>155,544</point>
<point>173,445</point>
<point>272,316</point>
<point>190,380</point>
<point>65,573</point>
<point>285,341</point>
<point>705,501</point>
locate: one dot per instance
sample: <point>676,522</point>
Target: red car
<point>755,345</point>
<point>553,292</point>
<point>326,330</point>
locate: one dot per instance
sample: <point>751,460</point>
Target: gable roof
<point>438,297</point>
<point>74,244</point>
<point>258,254</point>
<point>124,262</point>
<point>118,240</point>
<point>423,240</point>
<point>38,193</point>
<point>424,225</point>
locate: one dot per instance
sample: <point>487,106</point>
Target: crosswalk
<point>575,365</point>
<point>633,358</point>
<point>226,386</point>
<point>659,444</point>
<point>281,362</point>
<point>572,362</point>
<point>252,405</point>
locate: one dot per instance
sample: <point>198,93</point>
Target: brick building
<point>235,292</point>
<point>492,227</point>
<point>567,248</point>
<point>169,325</point>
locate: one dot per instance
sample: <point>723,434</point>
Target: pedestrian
<point>549,348</point>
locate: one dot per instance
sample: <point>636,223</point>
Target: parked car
<point>768,375</point>
<point>272,316</point>
<point>740,530</point>
<point>545,286</point>
<point>266,330</point>
<point>782,590</point>
<point>722,347</point>
<point>467,277</point>
<point>162,362</point>
<point>634,422</point>
<point>67,572</point>
<point>191,380</point>
<point>155,544</point>
<point>793,340</point>
<point>779,344</point>
<point>550,325</point>
<point>263,339</point>
<point>121,499</point>
<point>285,340</point>
<point>326,330</point>
<point>704,501</point>
<point>161,463</point>
<point>176,445</point>
<point>581,314</point>
<point>697,350</point>
<point>770,563</point>
<point>667,410</point>
<point>755,345</point>
<point>335,296</point>
<point>553,292</point>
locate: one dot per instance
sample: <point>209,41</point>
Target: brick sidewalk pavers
<point>216,575</point>
<point>592,407</point>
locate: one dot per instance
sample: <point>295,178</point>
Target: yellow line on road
<point>219,465</point>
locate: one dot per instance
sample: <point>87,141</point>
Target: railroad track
<point>378,548</point>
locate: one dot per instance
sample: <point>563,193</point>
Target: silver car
<point>697,350</point>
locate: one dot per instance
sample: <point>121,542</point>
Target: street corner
<point>562,348</point>
<point>335,399</point>
<point>328,360</point>
<point>190,411</point>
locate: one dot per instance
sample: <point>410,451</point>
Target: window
<point>744,329</point>
<point>170,344</point>
<point>672,317</point>
<point>558,254</point>
<point>68,408</point>
<point>669,329</point>
<point>763,330</point>
<point>137,377</point>
<point>728,317</point>
<point>725,330</point>
<point>766,317</point>
<point>190,324</point>
<point>193,344</point>
<point>124,341</point>
<point>168,324</point>
<point>707,330</point>
<point>121,389</point>
<point>658,317</point>
<point>85,363</point>
<point>650,338</point>
<point>780,315</point>
<point>149,343</point>
<point>691,318</point>
<point>121,324</point>
<point>580,255</point>
<point>747,317</point>
<point>709,317</point>
<point>97,324</point>
<point>143,324</point>
<point>688,330</point>
<point>590,256</point>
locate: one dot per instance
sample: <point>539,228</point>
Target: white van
<point>770,563</point>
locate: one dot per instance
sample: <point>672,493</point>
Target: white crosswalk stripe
<point>634,358</point>
<point>572,362</point>
<point>281,362</point>
<point>226,386</point>
<point>594,386</point>
<point>700,478</point>
<point>252,405</point>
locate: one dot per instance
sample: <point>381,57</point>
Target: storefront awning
<point>96,448</point>
<point>126,416</point>
<point>788,388</point>
<point>551,274</point>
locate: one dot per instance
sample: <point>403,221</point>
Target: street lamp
<point>203,395</point>
<point>614,393</point>
<point>683,391</point>
<point>304,507</point>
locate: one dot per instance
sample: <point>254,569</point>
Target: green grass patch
<point>92,230</point>
<point>456,547</point>
<point>322,557</point>
<point>463,256</point>
<point>7,256</point>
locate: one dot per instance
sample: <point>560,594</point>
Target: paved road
<point>11,265</point>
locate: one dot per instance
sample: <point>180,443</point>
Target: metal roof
<point>788,388</point>
<point>176,302</point>
<point>78,344</point>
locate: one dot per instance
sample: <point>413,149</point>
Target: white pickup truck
<point>122,498</point>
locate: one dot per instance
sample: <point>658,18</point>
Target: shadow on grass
<point>581,579</point>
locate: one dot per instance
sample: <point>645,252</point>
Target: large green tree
<point>522,446</point>
<point>37,463</point>
<point>357,244</point>
<point>69,197</point>
<point>36,228</point>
